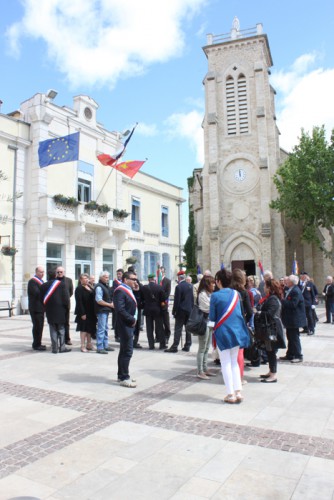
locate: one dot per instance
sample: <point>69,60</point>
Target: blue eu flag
<point>59,150</point>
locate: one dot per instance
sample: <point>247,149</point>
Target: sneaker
<point>109,348</point>
<point>101,351</point>
<point>202,376</point>
<point>297,360</point>
<point>128,383</point>
<point>129,379</point>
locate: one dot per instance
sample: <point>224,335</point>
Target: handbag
<point>196,324</point>
<point>265,328</point>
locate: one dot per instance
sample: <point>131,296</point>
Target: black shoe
<point>171,349</point>
<point>310,333</point>
<point>186,349</point>
<point>65,350</point>
<point>162,347</point>
<point>151,348</point>
<point>156,341</point>
<point>40,348</point>
<point>326,321</point>
<point>137,346</point>
<point>264,376</point>
<point>54,352</point>
<point>285,358</point>
<point>69,342</point>
<point>217,362</point>
<point>266,381</point>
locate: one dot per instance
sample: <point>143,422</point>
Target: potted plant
<point>91,205</point>
<point>103,209</point>
<point>68,201</point>
<point>8,250</point>
<point>120,214</point>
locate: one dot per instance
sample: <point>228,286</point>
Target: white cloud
<point>147,130</point>
<point>304,100</point>
<point>188,126</point>
<point>96,42</point>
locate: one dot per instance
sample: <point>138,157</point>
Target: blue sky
<point>143,62</point>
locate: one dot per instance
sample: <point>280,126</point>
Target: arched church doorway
<point>247,265</point>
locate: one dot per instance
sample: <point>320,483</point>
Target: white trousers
<point>230,369</point>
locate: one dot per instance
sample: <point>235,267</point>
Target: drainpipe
<point>14,148</point>
<point>179,219</point>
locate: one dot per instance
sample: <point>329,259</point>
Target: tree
<point>305,185</point>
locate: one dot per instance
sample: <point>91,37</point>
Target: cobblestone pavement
<point>70,431</point>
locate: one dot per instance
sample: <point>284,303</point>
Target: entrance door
<point>247,265</point>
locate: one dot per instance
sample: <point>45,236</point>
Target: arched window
<point>230,106</point>
<point>166,263</point>
<point>242,104</point>
<point>236,105</point>
<point>137,255</point>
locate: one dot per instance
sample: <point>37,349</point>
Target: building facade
<point>47,231</point>
<point>230,196</point>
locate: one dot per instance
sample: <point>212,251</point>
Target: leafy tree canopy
<point>305,185</point>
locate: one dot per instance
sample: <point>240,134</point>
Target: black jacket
<point>271,310</point>
<point>107,297</point>
<point>57,306</point>
<point>293,309</point>
<point>125,309</point>
<point>34,289</point>
<point>183,298</point>
<point>153,297</point>
<point>166,285</point>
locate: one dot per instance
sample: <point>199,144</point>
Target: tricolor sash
<point>38,280</point>
<point>51,290</point>
<point>229,308</point>
<point>126,290</point>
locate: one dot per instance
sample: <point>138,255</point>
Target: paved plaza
<point>69,431</point>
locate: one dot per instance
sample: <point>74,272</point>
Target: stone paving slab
<point>71,432</point>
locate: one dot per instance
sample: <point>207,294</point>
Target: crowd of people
<point>242,316</point>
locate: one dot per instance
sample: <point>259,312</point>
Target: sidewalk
<point>69,431</point>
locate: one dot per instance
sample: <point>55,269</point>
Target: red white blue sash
<point>228,309</point>
<point>126,290</point>
<point>38,280</point>
<point>51,290</point>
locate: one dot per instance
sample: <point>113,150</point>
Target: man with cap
<point>307,289</point>
<point>153,301</point>
<point>183,304</point>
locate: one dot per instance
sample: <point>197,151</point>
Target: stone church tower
<point>230,196</point>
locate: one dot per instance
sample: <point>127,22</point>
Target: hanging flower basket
<point>131,260</point>
<point>7,250</point>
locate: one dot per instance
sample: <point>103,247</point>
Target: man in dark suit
<point>60,271</point>
<point>126,316</point>
<point>116,282</point>
<point>293,318</point>
<point>153,299</point>
<point>307,289</point>
<point>36,308</point>
<point>55,297</point>
<point>328,293</point>
<point>183,304</point>
<point>166,285</point>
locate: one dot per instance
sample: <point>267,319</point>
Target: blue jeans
<point>125,353</point>
<point>102,330</point>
